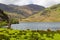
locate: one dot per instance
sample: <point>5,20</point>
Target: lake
<point>37,25</point>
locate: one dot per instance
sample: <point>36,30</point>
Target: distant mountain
<point>30,6</point>
<point>51,14</point>
<point>10,11</point>
<point>26,10</point>
<point>6,8</point>
<point>35,7</point>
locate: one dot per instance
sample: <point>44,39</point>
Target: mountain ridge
<point>26,10</point>
<point>29,9</point>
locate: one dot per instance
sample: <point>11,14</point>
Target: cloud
<point>16,2</point>
<point>45,3</point>
<point>8,1</point>
<point>23,2</point>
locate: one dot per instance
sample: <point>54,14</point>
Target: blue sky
<point>45,3</point>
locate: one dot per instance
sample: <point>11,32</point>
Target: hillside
<point>51,14</point>
<point>26,10</point>
<point>10,10</point>
<point>6,8</point>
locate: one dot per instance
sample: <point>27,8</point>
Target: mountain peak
<point>35,7</point>
<point>32,4</point>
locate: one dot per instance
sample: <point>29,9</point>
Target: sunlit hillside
<point>51,14</point>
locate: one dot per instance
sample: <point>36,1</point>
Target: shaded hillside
<point>28,10</point>
<point>6,8</point>
<point>9,9</point>
<point>51,14</point>
<point>15,16</point>
<point>35,7</point>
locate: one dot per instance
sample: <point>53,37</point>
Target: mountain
<point>51,14</point>
<point>35,7</point>
<point>30,6</point>
<point>6,8</point>
<point>10,11</point>
<point>26,10</point>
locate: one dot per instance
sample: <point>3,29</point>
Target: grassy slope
<point>14,15</point>
<point>51,14</point>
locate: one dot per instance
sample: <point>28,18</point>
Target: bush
<point>10,34</point>
<point>14,21</point>
<point>3,23</point>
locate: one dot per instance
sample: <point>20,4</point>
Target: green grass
<point>10,34</point>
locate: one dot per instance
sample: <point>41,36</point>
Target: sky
<point>46,3</point>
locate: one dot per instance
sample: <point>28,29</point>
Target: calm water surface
<point>37,25</point>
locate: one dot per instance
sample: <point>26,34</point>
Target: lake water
<point>37,25</point>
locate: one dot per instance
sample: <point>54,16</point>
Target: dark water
<point>37,25</point>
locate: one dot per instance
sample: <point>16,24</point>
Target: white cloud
<point>8,1</point>
<point>45,3</point>
<point>23,2</point>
